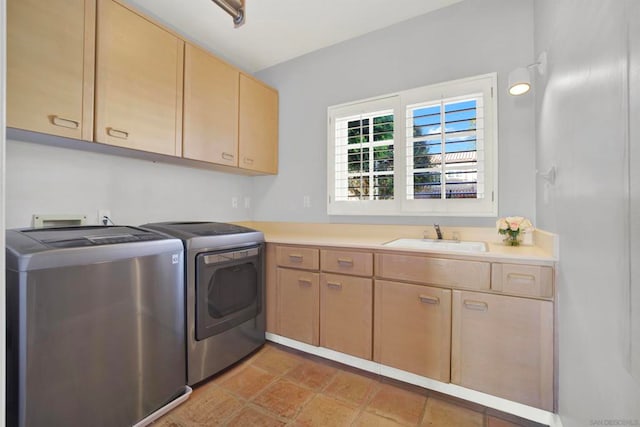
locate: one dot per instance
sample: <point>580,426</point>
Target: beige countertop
<point>542,247</point>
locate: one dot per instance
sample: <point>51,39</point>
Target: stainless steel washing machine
<point>95,322</point>
<point>224,273</point>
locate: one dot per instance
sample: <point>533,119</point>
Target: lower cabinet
<point>412,328</point>
<point>503,346</point>
<point>346,314</point>
<point>298,305</point>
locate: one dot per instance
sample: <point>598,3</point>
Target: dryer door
<point>228,289</point>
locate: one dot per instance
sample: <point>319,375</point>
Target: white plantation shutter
<point>364,156</point>
<point>445,149</point>
<point>446,163</point>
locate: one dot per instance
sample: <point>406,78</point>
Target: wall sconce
<point>520,80</point>
<point>235,8</point>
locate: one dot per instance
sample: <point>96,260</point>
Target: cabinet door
<point>298,305</point>
<point>258,138</point>
<point>412,328</point>
<point>503,346</point>
<point>346,310</point>
<point>210,108</point>
<point>50,66</point>
<point>138,82</point>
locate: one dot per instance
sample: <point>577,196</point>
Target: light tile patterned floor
<point>277,386</point>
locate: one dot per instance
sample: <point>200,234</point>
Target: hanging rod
<point>235,10</point>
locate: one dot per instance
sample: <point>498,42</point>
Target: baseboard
<point>504,405</point>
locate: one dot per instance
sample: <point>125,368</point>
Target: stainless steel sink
<point>442,245</point>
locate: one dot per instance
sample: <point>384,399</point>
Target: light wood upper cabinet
<point>210,108</point>
<point>503,345</point>
<point>412,328</point>
<point>258,126</point>
<point>139,76</point>
<point>50,66</point>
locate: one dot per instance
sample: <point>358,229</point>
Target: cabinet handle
<point>429,300</point>
<point>334,285</point>
<point>295,257</point>
<point>519,276</point>
<point>116,133</point>
<point>345,261</point>
<point>303,281</point>
<point>227,156</point>
<point>65,123</point>
<point>248,160</point>
<point>476,305</point>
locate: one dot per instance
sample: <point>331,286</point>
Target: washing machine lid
<point>36,248</point>
<point>75,237</point>
<point>189,229</point>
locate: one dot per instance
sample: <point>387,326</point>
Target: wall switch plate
<point>247,202</point>
<point>306,201</point>
<point>234,202</point>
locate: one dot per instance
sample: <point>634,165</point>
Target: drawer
<point>434,271</point>
<point>298,257</point>
<point>527,280</point>
<point>347,262</point>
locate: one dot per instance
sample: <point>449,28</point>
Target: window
<point>425,151</point>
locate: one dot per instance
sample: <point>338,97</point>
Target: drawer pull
<point>227,156</point>
<point>248,160</point>
<point>117,133</point>
<point>476,305</point>
<point>296,257</point>
<point>334,285</point>
<point>521,277</point>
<point>65,123</point>
<point>305,282</point>
<point>345,261</point>
<point>429,300</point>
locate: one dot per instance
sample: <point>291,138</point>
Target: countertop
<point>541,248</point>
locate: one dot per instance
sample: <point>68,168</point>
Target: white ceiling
<point>278,30</point>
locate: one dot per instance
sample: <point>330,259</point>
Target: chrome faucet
<point>438,232</point>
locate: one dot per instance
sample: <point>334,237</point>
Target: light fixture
<point>520,80</point>
<point>235,8</point>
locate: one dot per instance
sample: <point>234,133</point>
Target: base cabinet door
<point>298,305</point>
<point>503,346</point>
<point>50,65</point>
<point>412,328</point>
<point>346,314</point>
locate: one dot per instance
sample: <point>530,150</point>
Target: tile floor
<point>277,386</point>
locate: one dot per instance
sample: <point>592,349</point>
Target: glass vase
<point>512,239</point>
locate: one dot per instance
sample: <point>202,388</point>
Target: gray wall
<point>466,39</point>
<point>583,128</point>
<point>51,180</point>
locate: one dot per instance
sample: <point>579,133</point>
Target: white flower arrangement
<point>511,227</point>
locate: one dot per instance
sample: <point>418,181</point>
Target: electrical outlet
<point>104,216</point>
<point>306,201</point>
<point>234,202</point>
<point>247,202</point>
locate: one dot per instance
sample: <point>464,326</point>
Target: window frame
<point>399,102</point>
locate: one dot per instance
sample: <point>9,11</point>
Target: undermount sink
<point>442,245</point>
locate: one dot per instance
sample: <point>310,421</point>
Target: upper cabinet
<point>50,66</point>
<point>139,74</point>
<point>258,139</point>
<point>97,70</point>
<point>210,108</point>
